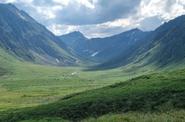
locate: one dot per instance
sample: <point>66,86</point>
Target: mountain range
<point>162,47</point>
<point>27,40</point>
<point>101,50</point>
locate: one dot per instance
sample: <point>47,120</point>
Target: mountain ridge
<point>161,47</point>
<point>100,50</point>
<point>28,40</point>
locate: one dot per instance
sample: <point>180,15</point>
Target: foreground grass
<point>170,116</point>
<point>148,93</point>
<point>46,120</point>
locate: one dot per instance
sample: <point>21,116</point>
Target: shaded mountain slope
<point>164,47</point>
<point>101,50</point>
<point>170,39</point>
<point>77,45</point>
<point>28,40</point>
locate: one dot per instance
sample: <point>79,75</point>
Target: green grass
<point>46,120</point>
<point>2,71</point>
<point>170,116</point>
<point>24,84</point>
<point>148,93</point>
<point>30,85</point>
<point>31,92</point>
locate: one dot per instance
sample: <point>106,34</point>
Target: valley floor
<point>33,93</point>
<point>26,85</point>
<point>70,94</point>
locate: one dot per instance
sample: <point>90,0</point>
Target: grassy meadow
<point>23,84</point>
<point>157,92</point>
<point>40,93</point>
<point>170,116</point>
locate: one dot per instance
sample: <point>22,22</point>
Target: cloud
<point>100,17</point>
<point>78,12</point>
<point>96,30</point>
<point>8,1</point>
<point>150,23</point>
<point>86,12</point>
<point>153,13</point>
<point>64,29</point>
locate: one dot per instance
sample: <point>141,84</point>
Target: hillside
<point>4,63</point>
<point>27,40</point>
<point>165,48</point>
<point>148,93</point>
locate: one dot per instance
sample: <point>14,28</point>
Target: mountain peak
<point>74,34</point>
<point>8,5</point>
<point>136,30</point>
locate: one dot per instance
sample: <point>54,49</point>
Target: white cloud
<point>24,1</point>
<point>124,22</point>
<point>62,29</point>
<point>166,9</point>
<point>62,2</point>
<point>86,3</point>
<point>46,12</point>
<point>96,30</point>
<point>100,17</point>
<point>8,1</point>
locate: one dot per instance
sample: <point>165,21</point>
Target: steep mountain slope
<point>74,40</point>
<point>161,48</point>
<point>103,49</point>
<point>28,40</point>
<point>77,45</point>
<point>164,47</point>
<point>169,40</point>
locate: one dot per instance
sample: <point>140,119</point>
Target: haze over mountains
<point>27,40</point>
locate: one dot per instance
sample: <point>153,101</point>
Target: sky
<point>100,18</point>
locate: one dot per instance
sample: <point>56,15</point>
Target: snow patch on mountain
<point>94,54</point>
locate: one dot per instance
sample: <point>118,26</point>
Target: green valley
<point>112,71</point>
<point>24,84</point>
